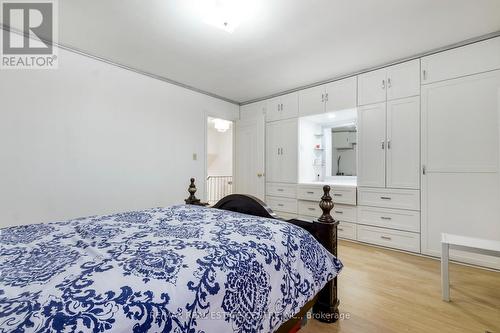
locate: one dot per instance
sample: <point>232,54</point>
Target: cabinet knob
<point>260,175</point>
<point>383,84</point>
<point>389,84</point>
<point>386,237</point>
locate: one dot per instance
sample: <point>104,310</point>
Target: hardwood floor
<point>388,291</point>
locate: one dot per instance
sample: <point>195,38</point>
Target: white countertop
<point>340,181</point>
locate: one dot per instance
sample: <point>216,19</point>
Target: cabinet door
<point>403,143</point>
<point>466,60</point>
<point>273,109</point>
<point>289,106</point>
<point>311,101</point>
<point>252,111</point>
<point>403,80</point>
<point>372,87</point>
<point>341,95</point>
<point>371,145</point>
<point>460,124</point>
<point>341,140</point>
<point>289,150</point>
<point>273,152</point>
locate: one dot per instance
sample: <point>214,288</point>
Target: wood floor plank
<point>387,291</point>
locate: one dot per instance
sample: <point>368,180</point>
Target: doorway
<point>219,159</point>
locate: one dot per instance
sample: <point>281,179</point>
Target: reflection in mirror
<point>328,146</point>
<point>344,151</point>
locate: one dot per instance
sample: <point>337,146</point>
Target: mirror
<point>343,151</point>
<point>328,146</point>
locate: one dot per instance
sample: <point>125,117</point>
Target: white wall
<point>92,138</point>
<point>219,152</point>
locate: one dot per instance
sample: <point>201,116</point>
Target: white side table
<point>470,244</point>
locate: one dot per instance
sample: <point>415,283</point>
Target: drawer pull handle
<point>385,198</point>
<point>280,205</point>
<point>280,190</point>
<point>310,208</point>
<point>338,212</point>
<point>386,218</point>
<point>340,229</point>
<point>386,237</point>
<point>337,194</point>
<point>310,192</point>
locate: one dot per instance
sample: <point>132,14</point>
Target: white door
<point>312,101</point>
<point>249,157</point>
<point>371,145</point>
<point>372,87</point>
<point>403,143</point>
<point>403,80</point>
<point>341,95</point>
<point>273,109</point>
<point>289,106</point>
<point>460,152</point>
<point>273,152</point>
<point>289,150</point>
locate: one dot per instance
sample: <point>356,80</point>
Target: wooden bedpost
<point>325,229</point>
<point>192,199</point>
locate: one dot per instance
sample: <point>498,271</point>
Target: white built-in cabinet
<point>389,131</point>
<point>334,96</point>
<point>282,151</point>
<point>283,107</point>
<point>428,151</point>
<point>389,144</point>
<point>460,147</point>
<point>389,157</point>
<point>398,81</point>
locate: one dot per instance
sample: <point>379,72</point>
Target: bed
<point>235,267</point>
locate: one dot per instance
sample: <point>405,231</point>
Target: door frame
<point>207,115</point>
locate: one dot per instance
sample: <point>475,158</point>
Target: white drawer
<point>285,205</point>
<point>346,230</point>
<point>344,195</point>
<point>344,213</point>
<point>286,216</point>
<point>340,194</point>
<point>281,190</point>
<point>313,193</point>
<point>407,220</point>
<point>389,198</point>
<point>309,208</point>
<point>402,240</point>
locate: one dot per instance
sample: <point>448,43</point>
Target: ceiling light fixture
<point>225,14</point>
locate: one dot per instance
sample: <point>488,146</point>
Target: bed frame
<point>324,229</point>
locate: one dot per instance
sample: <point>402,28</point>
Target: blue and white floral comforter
<point>177,269</point>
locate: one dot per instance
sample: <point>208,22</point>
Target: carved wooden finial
<point>192,200</point>
<point>326,205</point>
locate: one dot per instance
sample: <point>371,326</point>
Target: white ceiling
<point>284,45</point>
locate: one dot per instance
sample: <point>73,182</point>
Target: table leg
<point>445,282</point>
